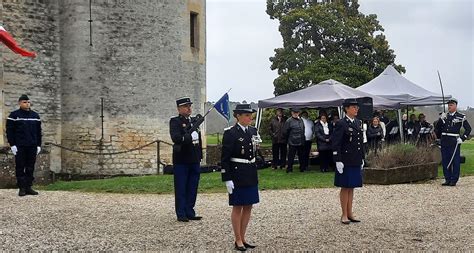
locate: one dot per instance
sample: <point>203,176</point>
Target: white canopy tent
<point>393,86</point>
<point>329,93</point>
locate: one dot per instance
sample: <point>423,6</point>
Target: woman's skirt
<point>351,177</point>
<point>243,196</point>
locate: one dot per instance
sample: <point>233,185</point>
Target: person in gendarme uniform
<point>187,155</point>
<point>448,130</point>
<point>24,137</point>
<point>239,171</point>
<point>348,154</point>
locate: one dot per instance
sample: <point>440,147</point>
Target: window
<point>194,33</point>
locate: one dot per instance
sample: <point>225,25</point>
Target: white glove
<point>14,150</point>
<point>362,166</point>
<point>195,136</point>
<point>230,186</point>
<point>38,150</point>
<point>339,167</point>
<point>442,116</point>
<point>459,140</point>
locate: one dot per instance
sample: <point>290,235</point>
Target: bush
<point>400,155</point>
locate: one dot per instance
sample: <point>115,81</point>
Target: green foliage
<point>327,40</point>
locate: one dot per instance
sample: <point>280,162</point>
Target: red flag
<point>8,40</point>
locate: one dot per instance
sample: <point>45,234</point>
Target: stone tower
<point>144,54</point>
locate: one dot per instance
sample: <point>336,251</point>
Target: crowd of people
<point>294,136</point>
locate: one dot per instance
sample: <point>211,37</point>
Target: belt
<point>240,160</point>
<point>450,134</point>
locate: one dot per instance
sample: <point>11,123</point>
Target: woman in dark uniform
<point>348,154</point>
<point>239,171</point>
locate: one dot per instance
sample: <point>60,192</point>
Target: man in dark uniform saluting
<point>448,130</point>
<point>24,137</point>
<point>187,155</point>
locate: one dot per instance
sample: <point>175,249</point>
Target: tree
<point>327,39</point>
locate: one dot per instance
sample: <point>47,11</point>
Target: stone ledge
<point>402,174</point>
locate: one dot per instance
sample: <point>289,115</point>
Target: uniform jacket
<point>321,137</point>
<point>294,131</point>
<point>24,128</point>
<point>238,144</point>
<point>276,129</point>
<point>347,142</point>
<point>452,125</point>
<point>184,151</point>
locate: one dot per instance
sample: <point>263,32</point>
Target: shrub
<point>400,155</point>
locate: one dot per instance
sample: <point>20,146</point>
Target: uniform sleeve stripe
<point>29,119</point>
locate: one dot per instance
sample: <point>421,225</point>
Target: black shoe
<point>345,222</point>
<point>289,170</point>
<point>452,184</point>
<point>183,219</point>
<point>22,192</point>
<point>249,246</point>
<point>353,220</point>
<point>446,183</point>
<point>195,218</point>
<point>30,191</point>
<point>239,248</point>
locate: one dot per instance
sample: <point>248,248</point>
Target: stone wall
<point>42,172</point>
<point>34,25</point>
<point>140,61</point>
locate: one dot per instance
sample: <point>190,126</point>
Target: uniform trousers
<point>186,181</point>
<point>25,165</point>
<point>451,173</point>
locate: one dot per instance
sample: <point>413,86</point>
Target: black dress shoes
<point>30,191</point>
<point>22,192</point>
<point>195,218</point>
<point>353,220</point>
<point>239,248</point>
<point>183,219</point>
<point>249,246</point>
<point>446,183</point>
<point>452,184</point>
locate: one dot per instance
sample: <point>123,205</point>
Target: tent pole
<point>400,124</point>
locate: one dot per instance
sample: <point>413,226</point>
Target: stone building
<point>136,55</point>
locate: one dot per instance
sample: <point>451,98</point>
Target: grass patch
<point>209,183</point>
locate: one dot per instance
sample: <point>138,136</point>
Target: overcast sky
<point>427,35</point>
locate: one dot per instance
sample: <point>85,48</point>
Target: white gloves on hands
<point>195,136</point>
<point>362,166</point>
<point>14,150</point>
<point>230,186</point>
<point>459,140</point>
<point>340,167</point>
<point>442,116</point>
<point>38,150</point>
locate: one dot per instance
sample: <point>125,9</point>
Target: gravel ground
<point>396,217</point>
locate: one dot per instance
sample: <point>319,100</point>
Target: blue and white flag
<point>222,107</point>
